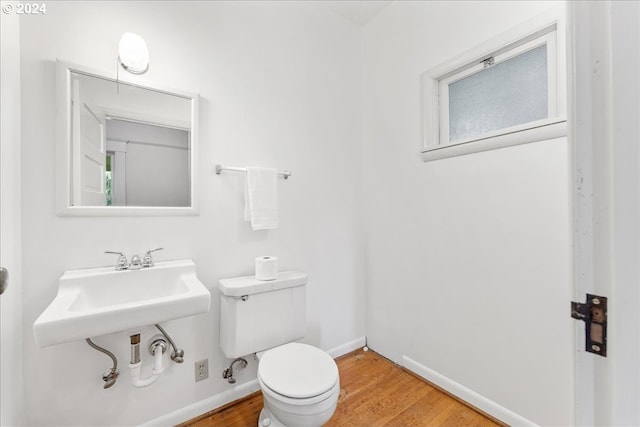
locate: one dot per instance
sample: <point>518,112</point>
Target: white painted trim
<point>471,397</point>
<point>147,119</point>
<point>542,133</point>
<point>530,29</point>
<point>63,132</point>
<point>548,40</point>
<point>347,347</point>
<point>592,195</point>
<point>133,211</point>
<point>604,107</point>
<point>63,179</point>
<point>127,78</point>
<point>552,21</point>
<point>203,406</point>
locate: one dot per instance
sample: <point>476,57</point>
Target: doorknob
<point>4,279</point>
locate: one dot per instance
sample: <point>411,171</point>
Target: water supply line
<point>111,375</point>
<point>157,347</point>
<point>228,373</point>
<point>178,354</point>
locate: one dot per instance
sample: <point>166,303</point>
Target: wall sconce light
<point>133,54</point>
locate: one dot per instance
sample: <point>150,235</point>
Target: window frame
<point>548,29</point>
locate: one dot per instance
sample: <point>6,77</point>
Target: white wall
<point>11,379</point>
<point>468,258</point>
<point>279,87</point>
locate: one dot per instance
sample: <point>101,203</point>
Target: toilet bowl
<point>300,386</point>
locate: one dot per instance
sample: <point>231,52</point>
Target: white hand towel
<point>261,198</point>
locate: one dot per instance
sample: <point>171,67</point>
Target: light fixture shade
<point>133,53</point>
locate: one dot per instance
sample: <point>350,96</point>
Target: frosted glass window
<point>506,94</point>
<point>507,91</point>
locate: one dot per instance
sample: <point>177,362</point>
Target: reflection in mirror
<point>127,145</point>
<point>147,165</point>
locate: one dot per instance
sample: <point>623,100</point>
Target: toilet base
<point>268,420</point>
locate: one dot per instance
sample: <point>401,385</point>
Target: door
<point>606,113</point>
<point>89,151</point>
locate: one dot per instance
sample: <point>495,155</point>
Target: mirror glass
<point>127,145</point>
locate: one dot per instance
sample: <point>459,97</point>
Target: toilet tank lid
<point>248,285</point>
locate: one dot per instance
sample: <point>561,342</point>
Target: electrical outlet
<point>202,369</point>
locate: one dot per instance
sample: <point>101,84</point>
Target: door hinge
<point>594,314</point>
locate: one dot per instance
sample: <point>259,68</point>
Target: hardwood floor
<point>374,392</point>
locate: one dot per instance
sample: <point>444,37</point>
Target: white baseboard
<point>203,406</point>
<point>347,347</point>
<point>471,397</point>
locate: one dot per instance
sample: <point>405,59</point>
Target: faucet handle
<point>121,262</point>
<point>147,260</point>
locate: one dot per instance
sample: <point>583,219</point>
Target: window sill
<point>541,133</point>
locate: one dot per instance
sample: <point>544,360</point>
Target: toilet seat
<point>298,371</point>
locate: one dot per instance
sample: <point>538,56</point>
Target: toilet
<point>300,383</point>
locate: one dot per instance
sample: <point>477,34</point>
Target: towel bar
<point>219,168</point>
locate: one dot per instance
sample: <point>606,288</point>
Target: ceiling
<point>358,11</point>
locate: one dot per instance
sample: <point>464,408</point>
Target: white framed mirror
<point>124,148</point>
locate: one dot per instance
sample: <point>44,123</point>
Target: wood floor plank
<point>373,392</point>
<point>356,402</point>
<point>393,394</point>
<point>415,415</point>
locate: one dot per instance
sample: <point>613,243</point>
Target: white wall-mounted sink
<point>98,301</point>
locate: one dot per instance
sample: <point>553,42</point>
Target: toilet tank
<point>258,315</point>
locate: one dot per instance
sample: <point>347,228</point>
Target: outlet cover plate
<point>202,369</point>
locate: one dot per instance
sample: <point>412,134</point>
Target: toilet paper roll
<point>266,268</point>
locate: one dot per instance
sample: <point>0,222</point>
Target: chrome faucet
<point>136,262</point>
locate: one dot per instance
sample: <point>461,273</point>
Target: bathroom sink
<point>98,301</point>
